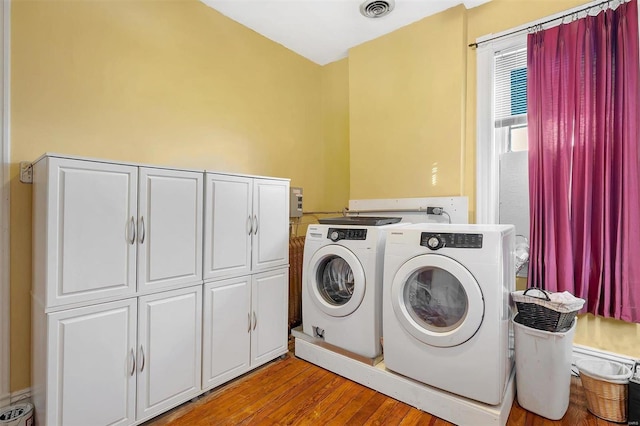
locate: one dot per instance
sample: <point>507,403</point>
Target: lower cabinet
<point>169,350</point>
<point>244,324</point>
<point>94,365</point>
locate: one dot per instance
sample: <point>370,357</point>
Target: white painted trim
<point>487,154</point>
<point>581,352</point>
<point>5,363</point>
<point>445,405</point>
<point>21,395</point>
<point>15,397</point>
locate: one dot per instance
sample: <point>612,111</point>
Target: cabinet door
<point>169,228</point>
<point>169,349</point>
<point>91,365</point>
<point>226,330</point>
<point>269,304</point>
<point>271,235</point>
<point>91,231</point>
<point>228,226</point>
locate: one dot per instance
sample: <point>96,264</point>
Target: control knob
<point>434,243</point>
<point>335,236</point>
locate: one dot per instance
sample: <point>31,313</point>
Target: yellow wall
<point>335,146</point>
<point>161,82</point>
<point>406,92</point>
<point>335,131</point>
<point>608,335</point>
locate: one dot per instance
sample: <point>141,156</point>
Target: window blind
<point>510,86</point>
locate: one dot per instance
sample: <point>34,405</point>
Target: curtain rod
<point>540,24</point>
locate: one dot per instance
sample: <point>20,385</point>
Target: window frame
<point>487,153</point>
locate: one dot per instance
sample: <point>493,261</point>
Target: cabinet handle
<point>142,230</point>
<point>142,355</point>
<point>249,225</point>
<point>249,318</point>
<point>255,221</point>
<point>133,228</point>
<point>255,320</point>
<point>133,361</point>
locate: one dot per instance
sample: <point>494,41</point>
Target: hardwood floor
<point>293,391</point>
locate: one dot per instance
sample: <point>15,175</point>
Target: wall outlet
<point>435,210</point>
<point>26,172</point>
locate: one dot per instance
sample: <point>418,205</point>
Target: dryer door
<point>336,281</point>
<point>437,300</point>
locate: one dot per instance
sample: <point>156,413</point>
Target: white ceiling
<point>324,30</point>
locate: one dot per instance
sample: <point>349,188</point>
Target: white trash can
<point>543,369</point>
<point>17,415</point>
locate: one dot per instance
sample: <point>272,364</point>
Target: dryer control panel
<point>337,234</point>
<point>437,240</point>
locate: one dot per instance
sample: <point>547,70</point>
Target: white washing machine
<point>446,307</point>
<point>342,283</point>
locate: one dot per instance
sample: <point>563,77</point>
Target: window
<point>510,98</point>
<point>503,179</point>
<point>502,133</point>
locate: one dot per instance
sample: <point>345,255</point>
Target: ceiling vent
<point>376,8</point>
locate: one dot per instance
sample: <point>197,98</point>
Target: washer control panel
<point>437,240</point>
<point>337,234</point>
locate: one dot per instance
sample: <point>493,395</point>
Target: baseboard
<point>13,397</point>
<point>581,352</point>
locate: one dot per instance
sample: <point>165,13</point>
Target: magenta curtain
<point>583,116</point>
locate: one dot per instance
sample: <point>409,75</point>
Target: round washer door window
<point>437,300</point>
<point>336,281</point>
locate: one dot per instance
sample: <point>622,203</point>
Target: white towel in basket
<point>564,302</point>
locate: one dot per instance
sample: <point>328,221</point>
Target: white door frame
<point>5,368</point>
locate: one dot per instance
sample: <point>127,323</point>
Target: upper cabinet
<point>84,230</point>
<point>270,246</point>
<point>104,230</point>
<point>169,228</point>
<point>246,225</point>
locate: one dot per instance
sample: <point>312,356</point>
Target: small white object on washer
<point>446,309</point>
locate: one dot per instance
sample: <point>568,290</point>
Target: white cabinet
<point>169,350</point>
<point>246,255</point>
<point>246,225</point>
<point>270,246</point>
<point>90,376</point>
<point>269,304</point>
<point>96,372</point>
<point>169,228</point>
<point>84,226</point>
<point>94,219</point>
<point>226,330</point>
<point>120,252</point>
<point>245,324</point>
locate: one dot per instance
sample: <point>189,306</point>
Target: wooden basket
<point>605,399</point>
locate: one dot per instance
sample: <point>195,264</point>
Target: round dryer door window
<point>336,281</point>
<point>437,300</point>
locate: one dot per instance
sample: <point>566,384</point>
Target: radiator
<point>296,251</point>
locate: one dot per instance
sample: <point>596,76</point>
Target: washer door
<point>336,282</point>
<point>437,300</point>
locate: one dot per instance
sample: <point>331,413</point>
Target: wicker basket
<point>543,314</point>
<point>606,398</point>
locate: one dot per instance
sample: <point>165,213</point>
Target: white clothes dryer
<point>446,307</point>
<point>342,284</point>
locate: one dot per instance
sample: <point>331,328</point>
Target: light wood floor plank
<point>332,404</point>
